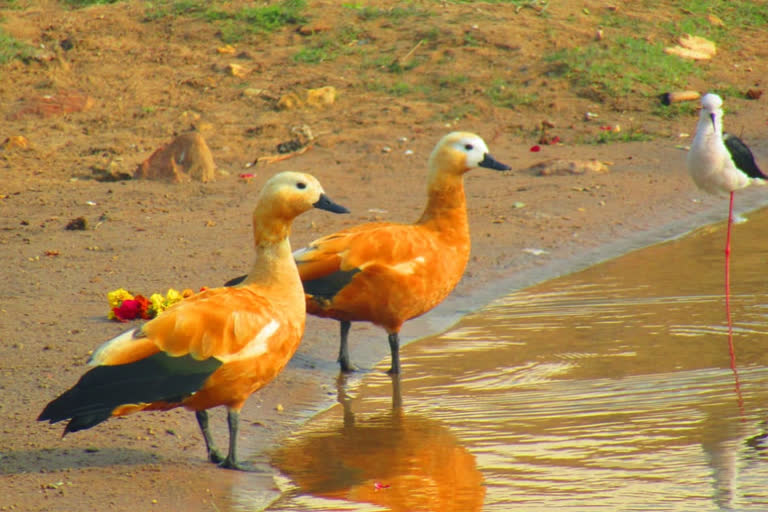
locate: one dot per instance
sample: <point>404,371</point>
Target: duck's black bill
<point>491,163</point>
<point>326,204</point>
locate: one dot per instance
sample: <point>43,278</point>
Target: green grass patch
<point>314,55</point>
<point>507,95</point>
<point>456,112</point>
<point>400,89</point>
<point>11,48</point>
<point>233,25</point>
<point>328,47</point>
<point>368,13</point>
<point>685,109</point>
<point>621,66</point>
<point>734,13</point>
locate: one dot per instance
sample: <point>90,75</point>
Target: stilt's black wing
<point>742,156</point>
<point>159,377</point>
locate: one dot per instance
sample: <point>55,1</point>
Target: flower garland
<point>124,306</point>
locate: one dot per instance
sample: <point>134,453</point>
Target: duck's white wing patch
<point>408,267</point>
<point>117,343</point>
<point>256,346</point>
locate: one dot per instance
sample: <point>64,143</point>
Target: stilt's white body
<point>709,161</point>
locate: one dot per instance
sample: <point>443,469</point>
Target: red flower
<point>555,140</point>
<point>129,309</point>
<point>379,485</point>
<point>247,175</point>
<point>535,149</point>
<point>144,306</point>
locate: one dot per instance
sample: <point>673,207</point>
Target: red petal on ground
<point>128,310</point>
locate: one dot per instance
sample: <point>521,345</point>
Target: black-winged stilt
<point>720,163</point>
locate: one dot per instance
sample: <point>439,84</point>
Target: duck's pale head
<point>289,194</point>
<point>458,152</point>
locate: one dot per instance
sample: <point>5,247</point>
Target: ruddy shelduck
<point>386,273</point>
<point>214,348</point>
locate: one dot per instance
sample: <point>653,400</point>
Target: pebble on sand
<point>186,158</point>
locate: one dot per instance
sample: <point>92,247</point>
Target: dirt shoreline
<point>61,300</point>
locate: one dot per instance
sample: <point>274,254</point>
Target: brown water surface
<point>608,389</point>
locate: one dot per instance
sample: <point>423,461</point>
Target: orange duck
<point>214,348</point>
<point>386,273</point>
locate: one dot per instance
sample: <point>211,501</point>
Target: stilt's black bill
<point>712,117</point>
<point>326,204</point>
<point>491,163</point>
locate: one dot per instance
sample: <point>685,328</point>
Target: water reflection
<point>609,389</point>
<point>390,458</point>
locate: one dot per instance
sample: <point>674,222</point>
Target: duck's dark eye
<point>301,185</point>
<point>468,147</point>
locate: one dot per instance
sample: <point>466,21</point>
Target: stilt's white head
<point>711,107</point>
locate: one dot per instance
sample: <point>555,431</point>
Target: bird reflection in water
<point>397,460</point>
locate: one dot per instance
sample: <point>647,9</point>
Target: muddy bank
<point>158,236</point>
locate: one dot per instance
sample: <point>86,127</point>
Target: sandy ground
<point>151,236</point>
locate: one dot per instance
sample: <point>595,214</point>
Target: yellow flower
<point>116,297</point>
<point>157,303</point>
<point>172,297</point>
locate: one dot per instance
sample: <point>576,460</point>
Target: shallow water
<point>608,389</point>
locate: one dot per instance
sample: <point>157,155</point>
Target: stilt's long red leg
<point>728,284</point>
<point>731,350</point>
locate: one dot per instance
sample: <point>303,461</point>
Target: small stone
<point>279,408</point>
<point>321,97</point>
<point>186,158</point>
<point>227,49</point>
<point>236,70</point>
<point>49,105</point>
<point>290,101</point>
<point>599,35</point>
<point>78,224</point>
<point>251,92</point>
<point>15,142</point>
<point>561,167</point>
<point>308,30</point>
<point>715,21</point>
